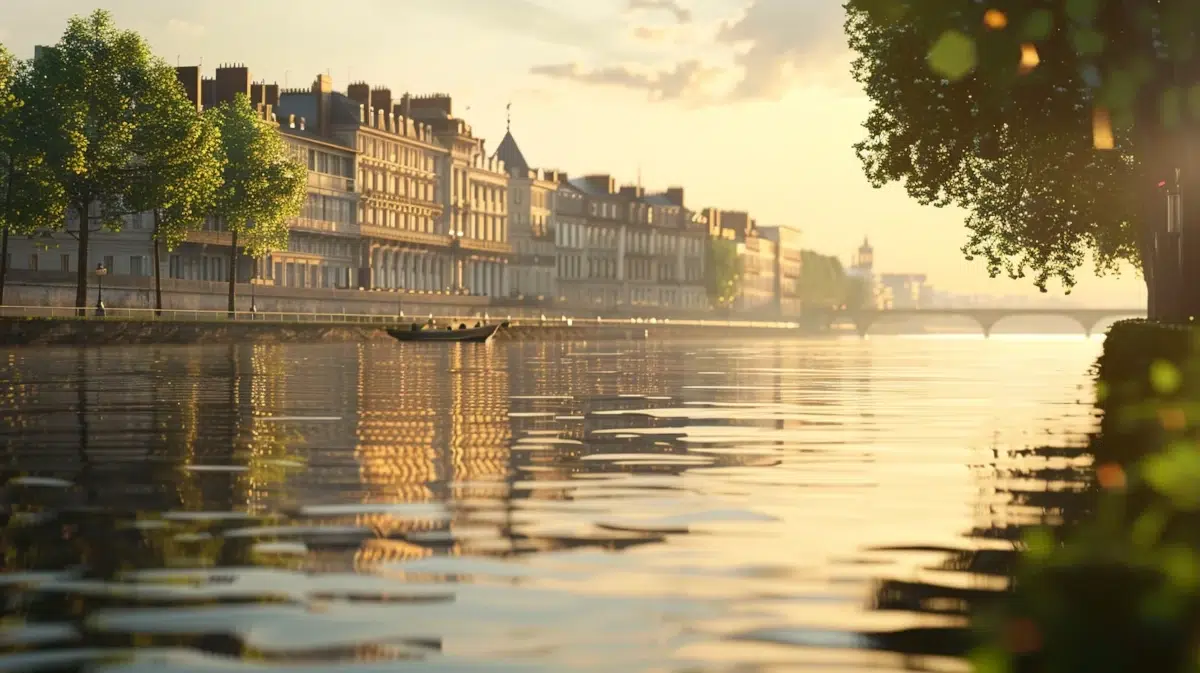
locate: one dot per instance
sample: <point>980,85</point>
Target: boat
<point>424,333</point>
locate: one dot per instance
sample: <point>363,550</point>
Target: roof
<point>582,185</point>
<point>510,154</point>
<point>659,200</point>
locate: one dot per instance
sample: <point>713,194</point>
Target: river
<point>726,506</point>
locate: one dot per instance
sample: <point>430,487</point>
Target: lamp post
<point>101,272</point>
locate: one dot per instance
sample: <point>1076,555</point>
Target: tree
<point>29,200</point>
<point>1052,123</point>
<point>176,171</point>
<point>263,185</point>
<point>823,284</point>
<point>94,91</point>
<point>723,273</point>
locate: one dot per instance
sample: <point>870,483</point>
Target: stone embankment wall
<point>33,332</point>
<point>19,332</point>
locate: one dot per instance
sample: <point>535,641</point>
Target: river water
<point>740,506</point>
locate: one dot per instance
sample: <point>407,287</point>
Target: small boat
<point>421,333</point>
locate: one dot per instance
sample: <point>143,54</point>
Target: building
<point>474,196</point>
<point>593,278</point>
<point>789,267</point>
<point>404,243</point>
<point>571,229</point>
<point>677,250</point>
<point>906,290</point>
<point>760,276</point>
<point>324,246</point>
<point>532,272</point>
<point>862,267</point>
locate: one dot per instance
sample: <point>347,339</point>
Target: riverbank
<point>131,331</point>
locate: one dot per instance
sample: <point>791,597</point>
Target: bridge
<point>988,317</point>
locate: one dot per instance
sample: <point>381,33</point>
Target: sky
<point>747,104</point>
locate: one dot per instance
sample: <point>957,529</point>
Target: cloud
<point>684,80</point>
<point>528,19</point>
<point>182,28</point>
<point>650,34</point>
<point>771,46</point>
<point>682,14</point>
<point>778,41</point>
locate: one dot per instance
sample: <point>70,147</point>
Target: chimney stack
<point>231,81</point>
<point>189,77</point>
<point>323,92</point>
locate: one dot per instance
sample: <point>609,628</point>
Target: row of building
<point>404,197</point>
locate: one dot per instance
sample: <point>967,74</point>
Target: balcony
<point>330,182</point>
<point>478,245</point>
<point>206,237</point>
<point>324,226</point>
<point>405,235</point>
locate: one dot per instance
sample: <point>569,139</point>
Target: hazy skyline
<point>747,104</point>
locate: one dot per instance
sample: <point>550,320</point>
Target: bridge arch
<point>987,319</point>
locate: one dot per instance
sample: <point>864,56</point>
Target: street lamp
<point>101,272</point>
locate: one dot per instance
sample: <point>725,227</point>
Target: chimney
<point>381,98</point>
<point>360,92</point>
<point>291,121</point>
<point>323,92</point>
<point>675,196</point>
<point>601,182</point>
<point>189,78</point>
<point>231,81</point>
<point>208,93</point>
<point>272,95</point>
<point>258,94</point>
<point>402,124</point>
<point>302,123</point>
<point>632,192</point>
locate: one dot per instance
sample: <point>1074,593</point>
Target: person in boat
<point>478,325</point>
<point>462,325</point>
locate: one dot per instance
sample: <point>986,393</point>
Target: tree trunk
<point>233,258</point>
<point>3,261</point>
<point>4,235</point>
<point>81,267</point>
<point>158,302</point>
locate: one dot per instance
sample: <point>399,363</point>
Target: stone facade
<point>474,197</point>
<point>403,245</point>
<point>789,265</point>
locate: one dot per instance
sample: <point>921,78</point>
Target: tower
<point>864,262</point>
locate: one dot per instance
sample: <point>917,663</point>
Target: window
<point>110,264</point>
<point>174,267</point>
<point>139,265</point>
<point>64,262</point>
<point>33,262</point>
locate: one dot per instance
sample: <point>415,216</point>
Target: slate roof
<point>510,154</point>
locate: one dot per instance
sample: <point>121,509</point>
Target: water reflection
<point>643,506</point>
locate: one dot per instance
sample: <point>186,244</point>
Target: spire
<point>508,120</point>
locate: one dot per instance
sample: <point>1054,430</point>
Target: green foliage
<point>824,284</point>
<point>29,199</point>
<point>723,270</point>
<point>177,169</point>
<point>262,184</point>
<point>1007,128</point>
<point>98,92</point>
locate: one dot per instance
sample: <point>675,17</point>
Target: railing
<point>278,317</point>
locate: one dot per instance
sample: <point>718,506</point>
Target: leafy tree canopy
<point>723,277</point>
<point>29,199</point>
<point>1006,108</point>
<point>262,184</point>
<point>97,93</point>
<point>178,165</point>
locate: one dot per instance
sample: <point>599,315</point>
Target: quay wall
<point>80,332</point>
